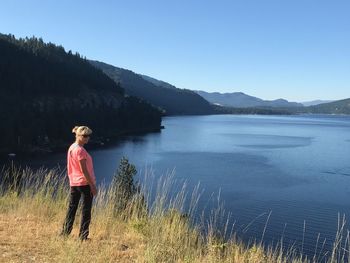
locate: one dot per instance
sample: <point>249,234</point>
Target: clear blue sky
<point>293,49</point>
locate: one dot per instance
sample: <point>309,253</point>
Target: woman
<point>82,182</point>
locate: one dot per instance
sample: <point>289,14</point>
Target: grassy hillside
<point>32,213</point>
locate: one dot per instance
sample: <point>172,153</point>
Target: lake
<point>289,175</point>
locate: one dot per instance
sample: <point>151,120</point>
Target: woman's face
<point>83,139</point>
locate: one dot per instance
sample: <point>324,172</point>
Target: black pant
<point>75,193</point>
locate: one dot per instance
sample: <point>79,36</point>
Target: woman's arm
<point>85,171</point>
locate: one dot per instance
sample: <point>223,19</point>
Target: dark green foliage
<point>45,91</point>
<point>123,180</point>
<point>127,197</point>
<point>42,69</point>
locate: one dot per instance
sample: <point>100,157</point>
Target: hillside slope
<point>172,100</point>
<point>335,107</point>
<point>45,91</point>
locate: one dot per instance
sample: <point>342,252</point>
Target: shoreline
<point>99,142</point>
<point>95,143</point>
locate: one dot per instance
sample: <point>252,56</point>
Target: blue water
<point>288,174</point>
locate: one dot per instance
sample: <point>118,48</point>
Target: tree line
<point>45,91</point>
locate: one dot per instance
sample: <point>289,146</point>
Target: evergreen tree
<point>45,91</point>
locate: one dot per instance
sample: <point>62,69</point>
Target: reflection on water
<point>294,170</point>
<point>268,141</point>
<point>227,171</point>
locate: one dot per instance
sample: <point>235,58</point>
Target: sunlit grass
<point>157,228</point>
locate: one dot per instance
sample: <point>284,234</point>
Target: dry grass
<point>31,217</point>
<point>29,232</point>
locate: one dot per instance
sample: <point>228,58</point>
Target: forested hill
<point>45,91</point>
<point>335,107</point>
<point>172,100</point>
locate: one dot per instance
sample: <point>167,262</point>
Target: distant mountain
<point>172,100</point>
<point>241,100</point>
<point>315,102</point>
<point>335,107</point>
<point>45,91</point>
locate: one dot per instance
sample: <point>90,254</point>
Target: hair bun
<point>75,129</point>
<point>82,130</point>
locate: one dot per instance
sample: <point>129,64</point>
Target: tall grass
<point>155,225</point>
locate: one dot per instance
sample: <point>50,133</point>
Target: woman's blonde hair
<point>81,130</point>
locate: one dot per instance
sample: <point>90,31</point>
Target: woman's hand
<point>93,190</point>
